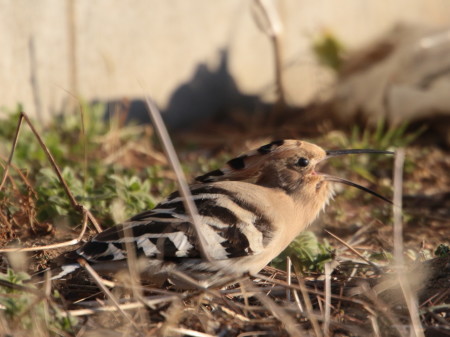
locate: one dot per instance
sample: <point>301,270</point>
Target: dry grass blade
<point>21,175</point>
<point>126,306</point>
<point>75,204</point>
<point>268,20</point>
<point>327,316</point>
<point>381,306</point>
<point>234,314</point>
<point>108,293</point>
<point>315,292</point>
<point>411,303</point>
<point>297,301</point>
<point>397,208</point>
<point>11,154</point>
<point>134,273</point>
<point>375,327</point>
<point>288,277</point>
<point>189,332</point>
<point>289,323</point>
<point>54,245</point>
<point>308,305</point>
<point>254,333</point>
<point>161,129</point>
<point>173,316</point>
<point>353,250</point>
<point>410,297</point>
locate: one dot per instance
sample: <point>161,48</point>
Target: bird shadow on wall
<point>208,94</point>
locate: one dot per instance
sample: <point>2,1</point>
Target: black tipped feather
<point>265,149</point>
<point>237,163</point>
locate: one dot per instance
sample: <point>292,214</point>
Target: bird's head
<point>289,165</point>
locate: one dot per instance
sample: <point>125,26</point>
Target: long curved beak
<point>351,183</point>
<point>334,153</point>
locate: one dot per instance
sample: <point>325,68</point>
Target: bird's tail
<point>57,273</point>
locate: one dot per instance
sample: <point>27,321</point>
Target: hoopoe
<point>249,212</point>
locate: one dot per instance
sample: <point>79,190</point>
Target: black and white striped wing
<point>233,228</point>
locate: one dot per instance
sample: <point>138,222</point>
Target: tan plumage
<point>250,211</point>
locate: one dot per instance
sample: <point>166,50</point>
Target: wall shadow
<point>208,94</point>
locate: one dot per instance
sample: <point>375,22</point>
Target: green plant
<point>14,301</point>
<point>307,253</point>
<point>329,51</point>
<point>79,149</point>
<point>381,256</point>
<point>382,137</point>
<point>24,307</point>
<point>133,192</point>
<point>99,194</point>
<point>442,250</point>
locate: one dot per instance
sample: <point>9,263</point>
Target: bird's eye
<point>302,162</point>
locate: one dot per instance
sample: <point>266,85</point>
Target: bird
<point>249,211</point>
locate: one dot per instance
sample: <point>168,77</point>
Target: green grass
<point>26,310</point>
<point>329,51</point>
<point>307,253</point>
<point>102,188</point>
<point>382,137</point>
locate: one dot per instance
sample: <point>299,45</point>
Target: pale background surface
<point>104,49</point>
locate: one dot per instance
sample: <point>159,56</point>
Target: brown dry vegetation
<point>363,297</point>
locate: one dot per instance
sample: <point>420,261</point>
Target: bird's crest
<point>247,166</point>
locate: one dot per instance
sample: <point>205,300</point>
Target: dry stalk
<point>397,208</point>
<point>11,154</point>
<point>75,204</point>
<point>288,277</point>
<point>161,129</point>
<point>308,305</point>
<point>327,316</point>
<point>234,314</point>
<point>134,272</point>
<point>106,291</point>
<point>410,297</point>
<point>280,313</point>
<point>316,292</point>
<point>173,316</point>
<point>382,307</point>
<point>54,245</point>
<point>375,327</point>
<point>268,20</point>
<point>353,250</point>
<point>254,333</point>
<point>297,301</point>
<point>22,176</point>
<point>189,332</point>
<point>150,302</point>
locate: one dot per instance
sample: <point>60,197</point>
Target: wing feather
<point>234,228</point>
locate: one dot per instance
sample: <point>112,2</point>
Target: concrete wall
<point>55,50</point>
